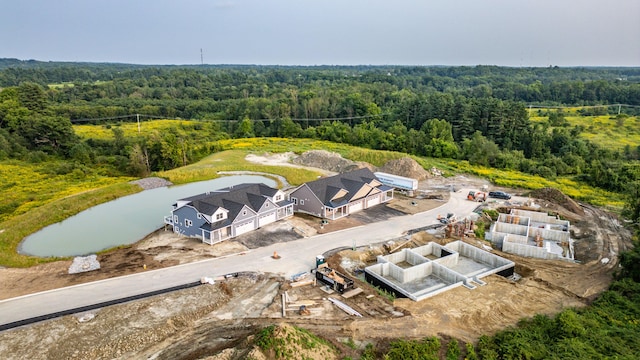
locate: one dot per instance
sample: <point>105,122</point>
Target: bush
<point>453,350</point>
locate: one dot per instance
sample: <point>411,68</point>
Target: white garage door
<point>373,201</point>
<point>244,228</point>
<point>266,219</point>
<point>355,207</point>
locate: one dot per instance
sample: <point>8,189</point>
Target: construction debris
<point>207,280</point>
<point>344,307</point>
<point>303,283</point>
<point>83,264</point>
<point>351,293</point>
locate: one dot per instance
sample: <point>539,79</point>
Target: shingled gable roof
<point>327,188</point>
<point>232,199</point>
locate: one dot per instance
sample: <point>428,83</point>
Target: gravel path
<point>152,183</point>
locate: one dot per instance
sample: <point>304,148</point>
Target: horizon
<point>527,33</point>
<point>319,65</point>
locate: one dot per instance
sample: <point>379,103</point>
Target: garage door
<point>244,228</point>
<point>355,207</point>
<point>373,201</point>
<point>266,219</point>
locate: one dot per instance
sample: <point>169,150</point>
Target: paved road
<point>296,256</point>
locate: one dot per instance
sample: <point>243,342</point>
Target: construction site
<point>438,280</point>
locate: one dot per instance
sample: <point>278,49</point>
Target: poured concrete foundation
<point>533,234</point>
<point>431,269</point>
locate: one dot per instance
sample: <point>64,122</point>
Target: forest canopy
<point>480,114</point>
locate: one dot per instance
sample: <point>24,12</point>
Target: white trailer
<point>396,181</point>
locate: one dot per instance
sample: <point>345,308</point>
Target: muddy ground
<point>205,320</point>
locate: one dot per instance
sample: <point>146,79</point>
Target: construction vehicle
<point>477,196</point>
<point>333,279</point>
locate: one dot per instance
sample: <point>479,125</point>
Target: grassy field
<point>605,130</point>
<point>33,198</point>
<point>25,186</point>
<point>233,160</point>
<point>130,129</point>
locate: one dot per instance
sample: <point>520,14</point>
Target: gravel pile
<point>328,160</point>
<point>83,264</point>
<point>406,167</point>
<point>152,183</point>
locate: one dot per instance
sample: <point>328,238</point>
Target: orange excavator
<point>477,196</point>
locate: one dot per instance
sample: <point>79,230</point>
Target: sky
<point>324,32</point>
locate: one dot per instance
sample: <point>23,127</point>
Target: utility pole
<point>201,57</point>
<point>138,120</point>
<point>619,106</point>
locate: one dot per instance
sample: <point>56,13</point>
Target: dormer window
<point>219,216</point>
<point>278,197</point>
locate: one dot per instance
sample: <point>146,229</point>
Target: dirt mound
<point>406,167</point>
<point>286,341</point>
<point>557,197</point>
<point>328,160</point>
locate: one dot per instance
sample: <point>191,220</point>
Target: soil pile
<point>557,197</point>
<point>329,161</point>
<point>406,167</point>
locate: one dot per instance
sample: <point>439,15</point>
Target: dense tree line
<point>473,113</point>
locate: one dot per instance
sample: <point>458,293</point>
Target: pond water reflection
<point>122,221</point>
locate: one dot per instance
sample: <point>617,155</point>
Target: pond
<point>122,221</point>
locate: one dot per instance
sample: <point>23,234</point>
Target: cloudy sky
<point>334,32</point>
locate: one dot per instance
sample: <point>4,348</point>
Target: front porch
<point>216,236</point>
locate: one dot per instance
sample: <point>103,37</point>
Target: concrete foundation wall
<point>480,255</point>
<point>447,275</point>
<point>517,239</point>
<point>414,259</point>
<point>395,258</point>
<point>396,272</point>
<point>540,217</point>
<point>514,219</point>
<point>448,261</point>
<point>497,238</point>
<point>548,234</point>
<point>444,277</point>
<point>430,249</point>
<point>511,228</point>
<point>417,272</point>
<point>527,250</point>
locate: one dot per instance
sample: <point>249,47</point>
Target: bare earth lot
<point>205,320</point>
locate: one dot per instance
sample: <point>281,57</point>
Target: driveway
<point>296,256</point>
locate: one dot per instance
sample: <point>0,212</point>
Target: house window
<point>188,222</point>
<point>244,212</point>
<point>175,219</point>
<point>199,216</point>
<point>301,202</point>
<point>278,197</point>
<point>219,216</point>
<point>295,201</point>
